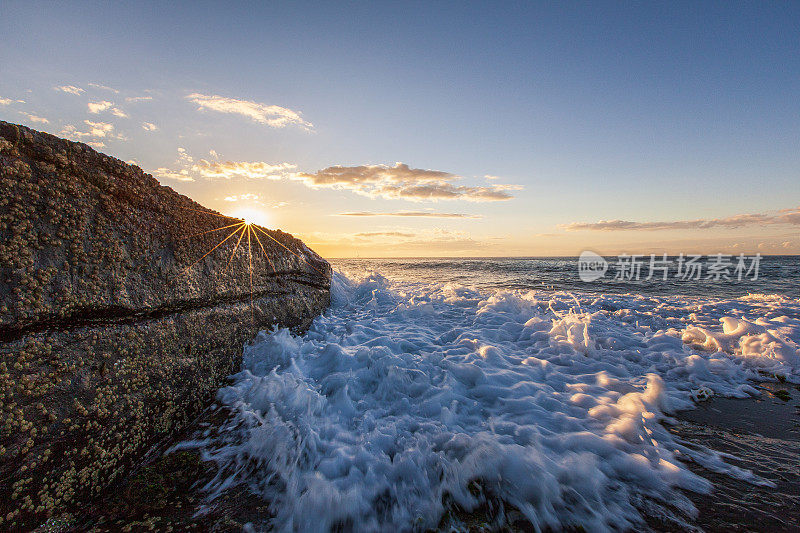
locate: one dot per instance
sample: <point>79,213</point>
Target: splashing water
<point>403,395</point>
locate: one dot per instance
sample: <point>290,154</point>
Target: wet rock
<point>116,328</point>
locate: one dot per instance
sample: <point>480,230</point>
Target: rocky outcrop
<point>119,315</point>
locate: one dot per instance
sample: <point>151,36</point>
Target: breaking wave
<point>406,399</point>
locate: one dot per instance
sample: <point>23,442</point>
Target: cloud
<point>138,98</point>
<point>790,216</point>
<point>385,234</point>
<point>243,169</point>
<point>99,129</point>
<point>149,126</point>
<point>397,182</point>
<point>184,157</point>
<point>271,115</point>
<point>785,216</point>
<point>119,113</point>
<point>241,197</point>
<point>96,107</point>
<point>71,89</point>
<point>34,118</point>
<point>387,241</point>
<point>421,214</point>
<point>403,182</point>
<point>103,87</point>
<point>9,101</point>
<point>180,175</point>
<point>96,131</point>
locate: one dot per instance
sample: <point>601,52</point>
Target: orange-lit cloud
<point>149,126</point>
<point>271,115</point>
<point>385,234</point>
<point>396,182</point>
<point>389,242</point>
<point>785,216</point>
<point>419,214</point>
<point>404,182</point>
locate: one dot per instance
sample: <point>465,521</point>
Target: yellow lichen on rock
<point>111,336</point>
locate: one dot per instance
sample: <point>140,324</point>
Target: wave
<point>406,398</point>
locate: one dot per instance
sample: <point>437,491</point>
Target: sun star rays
<point>242,234</point>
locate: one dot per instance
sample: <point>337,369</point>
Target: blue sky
<point>681,114</point>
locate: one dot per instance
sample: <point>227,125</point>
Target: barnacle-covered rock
<point>115,328</point>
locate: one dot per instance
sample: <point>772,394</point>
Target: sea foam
<point>403,398</point>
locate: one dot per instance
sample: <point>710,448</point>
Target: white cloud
<point>181,175</point>
<point>103,87</point>
<point>118,112</point>
<point>271,115</point>
<point>184,162</point>
<point>96,131</point>
<point>242,169</point>
<point>71,89</point>
<point>34,118</point>
<point>96,107</point>
<point>401,181</point>
<point>149,126</point>
<point>184,157</point>
<point>99,129</point>
<point>138,98</point>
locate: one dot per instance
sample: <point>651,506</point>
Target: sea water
<point>436,383</point>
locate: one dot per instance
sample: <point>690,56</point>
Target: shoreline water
<point>319,384</point>
<point>173,495</point>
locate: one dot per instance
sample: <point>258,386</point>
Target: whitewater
<point>406,399</point>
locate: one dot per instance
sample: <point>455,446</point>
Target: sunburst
<point>240,231</point>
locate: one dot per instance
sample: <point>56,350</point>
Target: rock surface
<point>116,328</point>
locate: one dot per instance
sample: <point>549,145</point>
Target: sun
<point>252,216</point>
<point>244,234</point>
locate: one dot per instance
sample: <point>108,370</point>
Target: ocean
<point>434,384</point>
<point>776,275</point>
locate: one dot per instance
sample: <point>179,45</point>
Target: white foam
<point>402,394</point>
